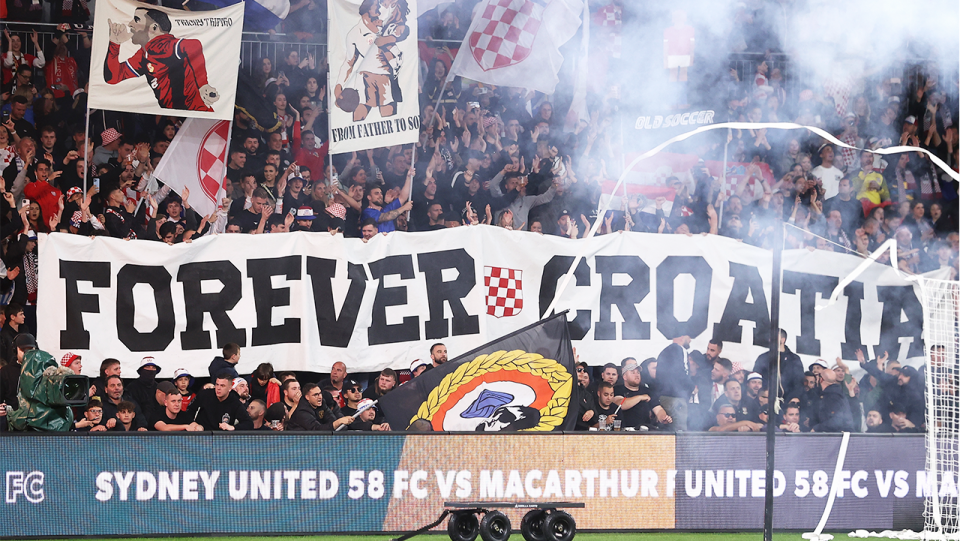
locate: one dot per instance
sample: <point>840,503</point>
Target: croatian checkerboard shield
<point>506,32</point>
<point>504,291</point>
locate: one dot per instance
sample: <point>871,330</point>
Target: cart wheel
<point>559,526</point>
<point>463,526</point>
<point>532,525</point>
<point>495,526</point>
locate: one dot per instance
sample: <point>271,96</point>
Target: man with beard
<point>438,354</point>
<point>310,413</point>
<point>639,404</point>
<point>386,382</point>
<point>242,388</point>
<point>175,68</point>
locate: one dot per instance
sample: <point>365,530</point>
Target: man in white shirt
<point>827,173</point>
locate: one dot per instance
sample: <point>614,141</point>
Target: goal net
<point>941,307</point>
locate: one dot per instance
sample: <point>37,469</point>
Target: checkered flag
<point>517,43</point>
<point>504,291</point>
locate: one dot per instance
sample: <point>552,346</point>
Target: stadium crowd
<point>487,156</point>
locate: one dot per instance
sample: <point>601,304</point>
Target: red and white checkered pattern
<point>212,159</point>
<point>610,20</point>
<point>506,32</point>
<point>504,291</point>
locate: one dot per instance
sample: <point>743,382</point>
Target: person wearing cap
<point>900,422</point>
<point>639,403</point>
<point>303,221</point>
<point>10,374</point>
<point>183,381</point>
<point>834,412</point>
<point>220,408</point>
<point>791,368</point>
<point>751,395</point>
<point>418,366</point>
<point>584,396</point>
<point>72,361</point>
<point>370,418</point>
<point>110,139</point>
<point>310,414</point>
<point>171,417</point>
<point>275,417</point>
<point>242,388</point>
<point>144,389</point>
<point>827,173</point>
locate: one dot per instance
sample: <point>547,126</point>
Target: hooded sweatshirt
<point>220,365</point>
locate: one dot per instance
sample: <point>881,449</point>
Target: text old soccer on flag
<point>504,291</point>
<point>154,60</point>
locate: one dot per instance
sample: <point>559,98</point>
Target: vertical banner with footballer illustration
<point>372,47</point>
<point>154,60</point>
<point>522,381</point>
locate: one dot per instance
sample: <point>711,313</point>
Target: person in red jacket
<point>174,68</point>
<point>61,72</point>
<point>42,190</point>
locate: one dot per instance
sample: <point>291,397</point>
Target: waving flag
<point>197,159</point>
<point>517,42</point>
<point>523,381</point>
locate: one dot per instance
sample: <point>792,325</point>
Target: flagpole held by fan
<point>357,414</point>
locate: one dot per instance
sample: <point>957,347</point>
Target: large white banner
<point>154,60</point>
<point>373,56</point>
<point>303,301</point>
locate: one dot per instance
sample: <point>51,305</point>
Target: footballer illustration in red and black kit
<point>175,68</point>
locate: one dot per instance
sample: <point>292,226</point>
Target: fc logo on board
<point>29,485</point>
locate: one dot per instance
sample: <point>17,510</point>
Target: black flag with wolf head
<point>523,381</point>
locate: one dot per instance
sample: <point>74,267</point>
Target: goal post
<point>941,372</point>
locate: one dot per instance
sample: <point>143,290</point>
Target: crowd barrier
<point>116,484</point>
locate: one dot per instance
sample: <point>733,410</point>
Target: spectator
<point>111,398</point>
<point>143,390</point>
<point>791,368</point>
<point>311,415</point>
<point>438,354</point>
<point>227,364</point>
<point>639,403</point>
<point>172,417</point>
<point>386,382</point>
<point>676,385</point>
<point>184,381</point>
<point>834,413</point>
<point>14,318</point>
<point>338,374</point>
<point>605,407</point>
<point>92,414</point>
<point>242,389</point>
<point>264,385</point>
<point>257,411</point>
<point>419,366</point>
<point>126,413</point>
<point>726,421</point>
<point>220,408</point>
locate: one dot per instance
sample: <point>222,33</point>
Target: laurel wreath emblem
<point>556,375</point>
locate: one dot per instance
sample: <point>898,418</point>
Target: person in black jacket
<point>14,319</point>
<point>311,415</point>
<point>834,410</point>
<point>791,369</point>
<point>584,399</point>
<point>220,408</point>
<point>911,395</point>
<point>226,364</point>
<point>675,384</point>
<point>144,389</point>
